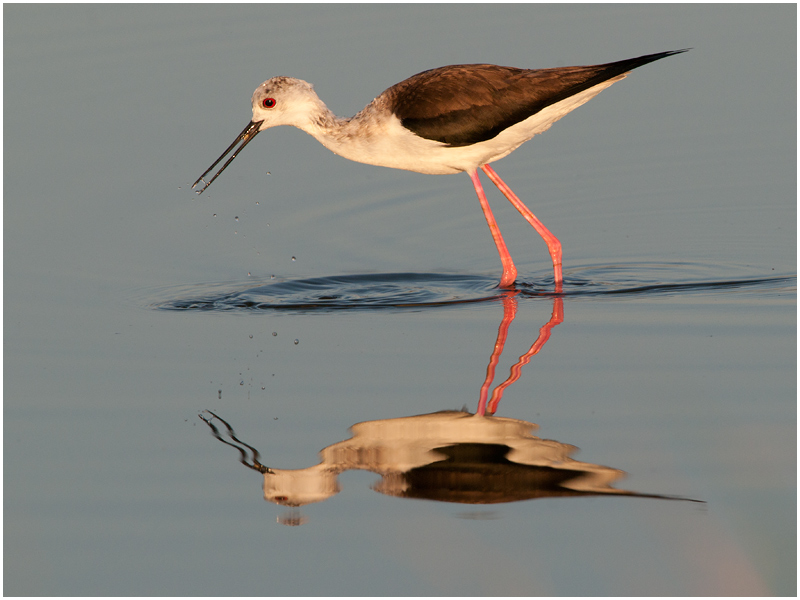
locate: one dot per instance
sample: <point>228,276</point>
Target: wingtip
<point>659,55</point>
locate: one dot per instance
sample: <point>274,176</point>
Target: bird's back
<point>460,105</point>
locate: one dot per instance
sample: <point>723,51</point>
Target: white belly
<point>381,140</point>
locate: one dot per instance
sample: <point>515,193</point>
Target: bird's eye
<point>268,103</point>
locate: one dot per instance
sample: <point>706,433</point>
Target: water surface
<point>342,319</point>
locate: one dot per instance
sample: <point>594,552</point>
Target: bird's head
<point>285,101</point>
<point>277,101</point>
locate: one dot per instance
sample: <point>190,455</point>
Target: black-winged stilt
<point>446,120</point>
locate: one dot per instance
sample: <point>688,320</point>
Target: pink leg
<point>509,270</point>
<point>553,245</point>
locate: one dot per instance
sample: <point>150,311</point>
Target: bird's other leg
<point>509,270</point>
<point>553,245</point>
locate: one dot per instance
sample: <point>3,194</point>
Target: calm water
<point>328,335</point>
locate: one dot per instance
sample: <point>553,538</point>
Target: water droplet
<point>296,342</point>
<point>256,203</point>
<point>219,394</point>
<point>274,333</point>
<point>248,274</point>
<point>251,335</point>
<point>263,387</point>
<point>215,215</point>
<point>294,258</point>
<point>235,218</point>
<point>268,173</point>
<point>272,276</point>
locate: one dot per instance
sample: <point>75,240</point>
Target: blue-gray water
<point>299,303</point>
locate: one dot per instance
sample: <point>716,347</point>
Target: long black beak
<point>247,134</point>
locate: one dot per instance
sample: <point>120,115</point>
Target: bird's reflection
<point>447,456</point>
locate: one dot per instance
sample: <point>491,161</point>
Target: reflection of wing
<point>454,456</point>
<point>448,456</point>
<point>482,474</point>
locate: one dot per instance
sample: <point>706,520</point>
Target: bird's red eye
<point>268,102</point>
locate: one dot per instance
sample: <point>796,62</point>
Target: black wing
<point>461,105</point>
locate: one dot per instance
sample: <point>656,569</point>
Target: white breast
<point>378,138</point>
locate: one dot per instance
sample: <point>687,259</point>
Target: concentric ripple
<point>420,290</point>
<point>373,291</point>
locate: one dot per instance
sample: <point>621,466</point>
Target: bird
<point>452,119</point>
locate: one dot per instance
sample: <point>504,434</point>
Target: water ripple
<point>665,279</point>
<point>420,290</point>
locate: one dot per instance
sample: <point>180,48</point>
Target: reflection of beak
<point>248,134</point>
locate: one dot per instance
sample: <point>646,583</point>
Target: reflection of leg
<point>509,270</point>
<point>553,245</point>
<point>516,370</point>
<point>509,311</point>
